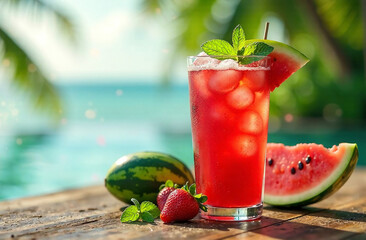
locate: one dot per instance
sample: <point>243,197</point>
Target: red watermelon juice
<point>229,116</point>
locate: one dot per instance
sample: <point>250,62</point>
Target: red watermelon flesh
<point>306,173</point>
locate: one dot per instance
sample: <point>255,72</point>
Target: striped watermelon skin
<point>139,175</point>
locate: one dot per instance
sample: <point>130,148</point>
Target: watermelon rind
<point>323,190</point>
<point>283,48</point>
<point>139,175</point>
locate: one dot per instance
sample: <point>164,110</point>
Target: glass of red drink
<point>229,118</point>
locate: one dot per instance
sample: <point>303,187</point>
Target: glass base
<point>233,214</point>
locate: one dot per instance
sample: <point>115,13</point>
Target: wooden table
<point>92,213</point>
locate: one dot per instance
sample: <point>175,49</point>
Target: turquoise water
<point>103,123</point>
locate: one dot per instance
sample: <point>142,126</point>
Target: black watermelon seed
<point>308,159</point>
<point>301,165</point>
<point>270,161</point>
<point>293,170</point>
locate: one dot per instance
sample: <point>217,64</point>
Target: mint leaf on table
<point>130,214</point>
<point>147,217</point>
<point>151,208</point>
<point>137,204</point>
<point>146,211</point>
<point>238,38</point>
<point>218,48</point>
<point>221,49</point>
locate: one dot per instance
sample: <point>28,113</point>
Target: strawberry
<point>163,196</point>
<point>165,190</point>
<point>182,204</point>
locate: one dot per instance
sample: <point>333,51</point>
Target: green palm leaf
<point>37,9</point>
<point>24,71</point>
<point>346,23</point>
<point>28,75</point>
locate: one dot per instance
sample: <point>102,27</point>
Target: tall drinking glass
<point>229,118</point>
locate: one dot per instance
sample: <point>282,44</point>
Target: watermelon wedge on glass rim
<point>284,61</point>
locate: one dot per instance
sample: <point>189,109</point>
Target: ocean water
<point>101,124</point>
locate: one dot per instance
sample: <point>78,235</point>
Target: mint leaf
<point>255,52</point>
<point>147,211</point>
<point>130,214</point>
<point>217,48</point>
<point>258,49</point>
<point>238,38</point>
<point>241,52</point>
<point>136,203</point>
<point>147,217</point>
<point>147,206</point>
<point>155,212</point>
<point>150,208</point>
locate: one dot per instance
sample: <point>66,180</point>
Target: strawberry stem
<point>200,198</point>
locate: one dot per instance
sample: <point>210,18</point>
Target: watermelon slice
<point>284,61</point>
<point>306,173</point>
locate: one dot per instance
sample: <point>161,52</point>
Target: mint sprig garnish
<point>146,211</point>
<point>221,49</point>
<point>200,198</point>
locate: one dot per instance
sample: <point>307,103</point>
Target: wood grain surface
<point>92,213</point>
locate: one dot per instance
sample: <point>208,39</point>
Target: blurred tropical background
<point>85,82</point>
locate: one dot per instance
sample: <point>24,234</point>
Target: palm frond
<point>28,76</point>
<point>151,6</point>
<point>346,23</point>
<point>39,8</point>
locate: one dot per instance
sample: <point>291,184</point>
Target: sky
<point>115,40</point>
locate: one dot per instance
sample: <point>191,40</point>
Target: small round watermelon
<point>139,175</point>
<point>306,173</point>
